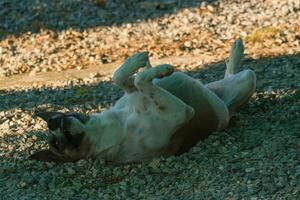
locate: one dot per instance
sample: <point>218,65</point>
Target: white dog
<point>161,113</point>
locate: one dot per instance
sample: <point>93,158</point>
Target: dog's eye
<point>53,141</point>
<point>67,134</point>
<point>54,123</point>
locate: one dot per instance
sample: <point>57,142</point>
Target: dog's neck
<point>104,132</point>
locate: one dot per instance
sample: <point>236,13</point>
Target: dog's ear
<point>48,115</point>
<point>45,155</point>
<point>49,156</point>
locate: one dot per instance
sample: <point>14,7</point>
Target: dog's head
<point>66,137</point>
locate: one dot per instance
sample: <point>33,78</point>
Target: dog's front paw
<point>139,59</point>
<point>163,70</point>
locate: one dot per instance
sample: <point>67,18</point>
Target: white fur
<point>134,129</point>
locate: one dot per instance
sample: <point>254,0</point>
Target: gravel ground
<point>257,157</point>
<point>57,35</point>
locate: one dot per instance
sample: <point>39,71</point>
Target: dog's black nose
<point>57,143</point>
<point>53,141</point>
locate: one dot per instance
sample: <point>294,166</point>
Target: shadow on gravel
<point>261,145</point>
<point>23,144</point>
<point>18,17</point>
<point>273,74</point>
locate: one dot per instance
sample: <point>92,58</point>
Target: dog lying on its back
<point>162,113</point>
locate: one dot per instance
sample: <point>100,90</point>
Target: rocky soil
<point>257,157</point>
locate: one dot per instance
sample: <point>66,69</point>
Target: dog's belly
<point>146,130</point>
<point>144,137</point>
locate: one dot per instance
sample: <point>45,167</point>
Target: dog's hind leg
<point>236,88</point>
<point>124,76</point>
<point>235,58</point>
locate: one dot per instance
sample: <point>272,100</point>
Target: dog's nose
<point>53,141</point>
<point>57,143</point>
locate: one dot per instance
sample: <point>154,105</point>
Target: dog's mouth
<point>48,155</point>
<point>54,153</point>
<point>58,151</point>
